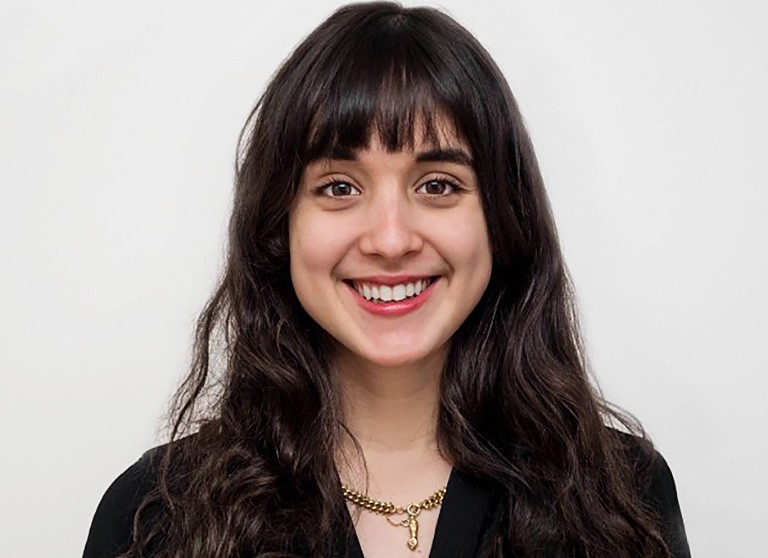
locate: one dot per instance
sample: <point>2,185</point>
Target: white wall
<point>118,124</point>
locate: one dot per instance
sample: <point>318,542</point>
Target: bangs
<point>385,89</point>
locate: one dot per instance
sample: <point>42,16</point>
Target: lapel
<point>464,513</point>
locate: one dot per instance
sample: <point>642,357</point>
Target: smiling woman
<point>403,369</point>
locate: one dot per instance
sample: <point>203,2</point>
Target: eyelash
<point>454,186</point>
<point>324,188</point>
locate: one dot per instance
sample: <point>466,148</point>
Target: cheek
<point>315,249</point>
<point>469,243</point>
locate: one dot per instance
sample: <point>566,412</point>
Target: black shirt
<point>463,523</point>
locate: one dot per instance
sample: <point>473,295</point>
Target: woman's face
<point>390,250</point>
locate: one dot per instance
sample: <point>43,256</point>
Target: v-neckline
<point>459,521</point>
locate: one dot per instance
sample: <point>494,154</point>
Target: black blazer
<point>463,523</point>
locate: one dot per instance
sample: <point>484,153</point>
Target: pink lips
<point>393,308</point>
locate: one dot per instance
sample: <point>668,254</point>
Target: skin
<point>376,213</point>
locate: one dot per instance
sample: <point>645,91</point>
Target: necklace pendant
<point>413,528</point>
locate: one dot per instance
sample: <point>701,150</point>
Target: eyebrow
<point>449,155</point>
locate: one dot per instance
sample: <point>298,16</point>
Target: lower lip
<point>394,308</point>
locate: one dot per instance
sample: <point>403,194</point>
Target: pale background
<point>118,123</point>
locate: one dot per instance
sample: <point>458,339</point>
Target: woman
<point>403,373</point>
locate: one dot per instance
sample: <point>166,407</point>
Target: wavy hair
<point>517,409</point>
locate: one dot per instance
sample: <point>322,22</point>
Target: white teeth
<point>386,293</point>
<point>398,292</point>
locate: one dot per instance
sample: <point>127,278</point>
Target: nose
<point>391,230</point>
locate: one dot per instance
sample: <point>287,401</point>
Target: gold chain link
<point>387,509</point>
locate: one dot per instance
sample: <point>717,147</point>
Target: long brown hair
<point>517,406</point>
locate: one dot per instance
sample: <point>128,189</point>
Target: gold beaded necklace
<point>388,509</point>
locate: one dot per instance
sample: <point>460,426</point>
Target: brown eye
<point>339,190</point>
<point>437,188</point>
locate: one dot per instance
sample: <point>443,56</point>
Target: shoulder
<point>658,492</point>
<point>661,495</point>
<point>112,526</point>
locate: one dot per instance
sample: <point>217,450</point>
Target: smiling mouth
<point>383,294</point>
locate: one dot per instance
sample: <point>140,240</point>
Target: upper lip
<point>389,280</point>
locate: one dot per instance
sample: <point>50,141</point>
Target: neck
<point>390,411</point>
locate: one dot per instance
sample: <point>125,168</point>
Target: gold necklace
<point>388,509</point>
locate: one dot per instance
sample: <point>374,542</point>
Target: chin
<point>397,357</point>
<point>396,361</point>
